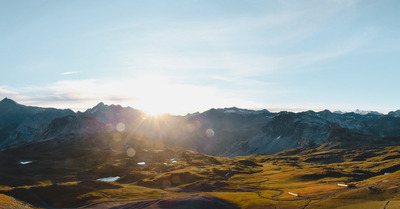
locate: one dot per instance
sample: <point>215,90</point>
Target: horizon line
<point>272,109</point>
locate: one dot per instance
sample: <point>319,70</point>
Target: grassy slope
<point>10,202</point>
<point>247,182</point>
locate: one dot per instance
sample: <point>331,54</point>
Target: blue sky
<point>181,56</point>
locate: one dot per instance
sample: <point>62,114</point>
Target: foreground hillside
<point>149,173</point>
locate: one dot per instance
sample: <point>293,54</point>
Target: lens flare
<point>210,133</point>
<point>120,127</point>
<point>131,152</point>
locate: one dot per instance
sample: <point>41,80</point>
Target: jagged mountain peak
<point>7,103</point>
<point>364,112</point>
<point>100,104</point>
<point>101,109</point>
<point>231,110</point>
<point>232,127</point>
<point>7,100</point>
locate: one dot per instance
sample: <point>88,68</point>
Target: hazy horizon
<point>182,57</point>
<point>275,110</point>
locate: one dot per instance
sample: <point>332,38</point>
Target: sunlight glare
<point>131,152</point>
<point>120,127</point>
<point>210,133</point>
<point>156,95</point>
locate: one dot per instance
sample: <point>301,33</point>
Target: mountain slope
<point>220,132</point>
<point>21,124</point>
<point>307,129</point>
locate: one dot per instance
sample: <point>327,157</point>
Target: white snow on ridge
<point>230,111</point>
<point>240,111</point>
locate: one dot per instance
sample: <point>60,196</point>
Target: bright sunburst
<point>156,95</point>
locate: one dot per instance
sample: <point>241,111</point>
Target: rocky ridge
<point>224,132</point>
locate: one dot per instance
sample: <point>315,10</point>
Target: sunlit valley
<point>111,156</point>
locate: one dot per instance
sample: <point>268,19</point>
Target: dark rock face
<point>21,124</point>
<point>307,129</point>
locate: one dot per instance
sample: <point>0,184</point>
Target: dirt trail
<point>384,207</point>
<point>307,204</point>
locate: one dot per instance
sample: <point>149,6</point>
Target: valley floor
<point>186,179</point>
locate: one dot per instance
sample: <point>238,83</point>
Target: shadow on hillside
<point>61,196</point>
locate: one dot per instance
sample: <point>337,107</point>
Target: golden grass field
<point>258,181</point>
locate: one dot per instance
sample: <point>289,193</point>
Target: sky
<point>185,56</point>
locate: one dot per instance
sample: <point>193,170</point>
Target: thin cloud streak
<point>69,73</point>
<point>147,93</point>
<point>240,46</point>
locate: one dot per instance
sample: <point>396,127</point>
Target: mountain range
<point>220,132</point>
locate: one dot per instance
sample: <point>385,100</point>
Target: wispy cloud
<point>279,41</point>
<point>156,94</point>
<point>69,73</point>
<point>6,92</point>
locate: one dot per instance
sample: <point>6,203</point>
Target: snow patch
<point>230,111</point>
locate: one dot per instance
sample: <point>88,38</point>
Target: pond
<point>24,162</point>
<point>109,179</point>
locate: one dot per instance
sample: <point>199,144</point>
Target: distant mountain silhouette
<point>226,132</point>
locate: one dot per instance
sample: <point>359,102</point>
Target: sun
<point>165,95</point>
<point>154,107</point>
<point>156,111</point>
<point>156,95</point>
